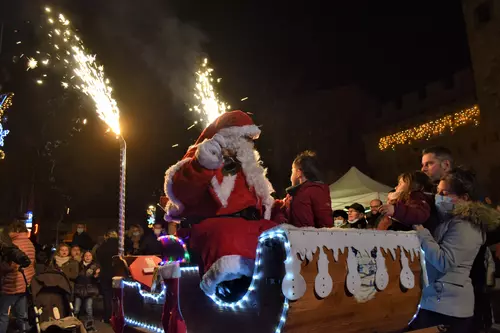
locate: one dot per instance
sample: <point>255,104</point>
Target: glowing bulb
<point>32,64</point>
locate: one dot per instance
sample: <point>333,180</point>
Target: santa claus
<point>221,191</point>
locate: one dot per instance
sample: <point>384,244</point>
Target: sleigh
<point>305,280</point>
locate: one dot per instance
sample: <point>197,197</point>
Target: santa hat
<point>230,124</point>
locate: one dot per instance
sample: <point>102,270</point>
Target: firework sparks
<point>209,104</point>
<point>32,64</point>
<point>69,49</point>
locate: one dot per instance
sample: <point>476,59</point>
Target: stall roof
<point>355,186</point>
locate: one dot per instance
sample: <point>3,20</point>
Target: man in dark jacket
<point>374,216</point>
<point>82,238</point>
<point>105,254</point>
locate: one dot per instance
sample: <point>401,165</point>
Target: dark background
<point>269,51</point>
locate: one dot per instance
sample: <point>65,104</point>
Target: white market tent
<point>355,186</point>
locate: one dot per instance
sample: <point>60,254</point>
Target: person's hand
<point>387,209</point>
<point>209,152</point>
<point>418,227</point>
<point>97,271</point>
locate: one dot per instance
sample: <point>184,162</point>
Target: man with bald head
<point>373,218</point>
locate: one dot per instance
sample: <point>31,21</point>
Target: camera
<point>11,253</point>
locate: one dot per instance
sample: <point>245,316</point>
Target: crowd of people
<point>455,223</point>
<point>86,264</point>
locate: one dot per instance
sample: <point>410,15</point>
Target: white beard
<point>255,173</point>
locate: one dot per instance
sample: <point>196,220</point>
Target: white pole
<point>123,177</point>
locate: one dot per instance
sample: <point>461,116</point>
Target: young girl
<point>76,253</point>
<point>411,203</point>
<point>62,261</point>
<point>86,288</point>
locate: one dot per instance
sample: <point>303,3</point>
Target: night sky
<point>263,50</point>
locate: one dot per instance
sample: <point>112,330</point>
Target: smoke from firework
<point>170,48</point>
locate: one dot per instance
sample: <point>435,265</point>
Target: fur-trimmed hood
<point>478,214</point>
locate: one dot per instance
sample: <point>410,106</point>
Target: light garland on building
<point>432,128</point>
<point>151,216</point>
<point>5,103</point>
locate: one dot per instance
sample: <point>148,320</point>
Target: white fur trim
<point>226,268</point>
<point>174,206</point>
<point>170,271</point>
<point>209,154</point>
<point>223,190</point>
<point>251,131</point>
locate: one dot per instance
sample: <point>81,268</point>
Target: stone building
<point>482,18</point>
<point>431,110</point>
<point>474,146</point>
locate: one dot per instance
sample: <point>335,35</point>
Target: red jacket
<point>13,281</point>
<point>416,210</point>
<point>306,205</point>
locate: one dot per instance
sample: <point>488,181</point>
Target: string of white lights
<point>141,324</point>
<point>157,297</point>
<point>272,234</point>
<point>279,235</point>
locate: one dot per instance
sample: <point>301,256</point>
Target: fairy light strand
<point>432,128</point>
<point>5,103</point>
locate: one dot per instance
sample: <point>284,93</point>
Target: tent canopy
<point>355,186</point>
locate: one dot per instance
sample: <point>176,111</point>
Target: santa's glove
<point>209,152</point>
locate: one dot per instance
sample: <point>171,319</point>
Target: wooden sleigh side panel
<point>390,310</point>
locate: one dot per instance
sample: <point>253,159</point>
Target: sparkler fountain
<point>82,67</point>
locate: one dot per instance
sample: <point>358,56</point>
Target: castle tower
<point>482,18</point>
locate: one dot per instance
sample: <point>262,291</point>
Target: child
<point>63,262</point>
<point>86,287</point>
<point>412,205</point>
<point>76,253</point>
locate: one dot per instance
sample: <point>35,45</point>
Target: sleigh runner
<point>304,279</point>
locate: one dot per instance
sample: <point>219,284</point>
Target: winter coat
<point>449,253</point>
<point>83,240</point>
<point>69,268</point>
<point>416,210</point>
<point>86,283</point>
<point>306,205</point>
<point>104,256</point>
<point>13,281</point>
<point>374,220</point>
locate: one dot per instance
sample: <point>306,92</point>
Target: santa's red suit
<point>202,186</point>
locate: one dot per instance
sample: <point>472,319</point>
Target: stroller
<point>50,298</point>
